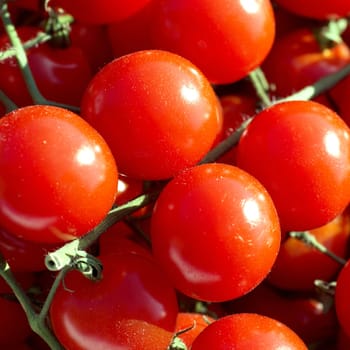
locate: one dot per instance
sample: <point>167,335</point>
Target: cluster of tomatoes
<point>201,199</point>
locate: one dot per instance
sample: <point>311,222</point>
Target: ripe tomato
<point>342,305</point>
<point>193,323</point>
<point>24,255</point>
<point>133,307</point>
<point>91,39</point>
<point>156,110</point>
<point>300,151</point>
<point>61,74</point>
<point>100,11</point>
<point>303,313</point>
<point>296,60</point>
<point>319,9</point>
<point>215,232</point>
<point>246,331</point>
<point>297,265</point>
<point>226,39</point>
<point>58,177</point>
<point>133,33</point>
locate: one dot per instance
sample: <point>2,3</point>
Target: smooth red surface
<point>157,112</point>
<point>58,177</point>
<point>300,151</point>
<point>226,39</point>
<point>246,332</point>
<point>215,232</point>
<point>133,307</point>
<point>319,9</point>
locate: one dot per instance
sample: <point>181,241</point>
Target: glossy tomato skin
<point>217,36</point>
<point>305,314</point>
<point>342,298</point>
<point>318,9</point>
<point>194,323</point>
<point>133,307</point>
<point>58,184</point>
<point>100,11</point>
<point>215,232</point>
<point>157,112</point>
<point>300,151</point>
<point>296,60</point>
<point>298,265</point>
<point>61,74</point>
<point>245,331</point>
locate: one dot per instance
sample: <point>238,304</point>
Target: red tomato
<point>133,307</point>
<point>340,97</point>
<point>194,323</point>
<point>246,332</point>
<point>226,39</point>
<point>133,33</point>
<point>319,9</point>
<point>215,232</point>
<point>156,111</point>
<point>342,305</point>
<point>236,109</point>
<point>61,74</point>
<point>296,60</point>
<point>300,151</point>
<point>24,255</point>
<point>304,314</point>
<point>100,11</point>
<point>297,265</point>
<point>91,39</point>
<point>58,184</point>
<point>14,326</point>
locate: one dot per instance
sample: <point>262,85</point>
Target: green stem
<point>39,327</point>
<point>309,239</point>
<point>226,144</point>
<point>22,61</point>
<point>39,39</point>
<point>261,86</point>
<point>7,102</point>
<point>322,85</point>
<point>65,255</point>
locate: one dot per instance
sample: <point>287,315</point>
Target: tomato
<point>193,323</point>
<point>61,74</point>
<point>342,298</point>
<point>297,60</point>
<point>300,152</point>
<point>319,9</point>
<point>24,255</point>
<point>215,231</point>
<point>303,313</point>
<point>91,39</point>
<point>156,111</point>
<point>58,184</point>
<point>100,11</point>
<point>297,265</point>
<point>14,327</point>
<point>217,36</point>
<point>236,109</point>
<point>340,97</point>
<point>246,331</point>
<point>132,307</point>
<point>133,33</point>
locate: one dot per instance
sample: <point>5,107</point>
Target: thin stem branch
<point>39,327</point>
<point>22,61</point>
<point>39,39</point>
<point>261,86</point>
<point>309,239</point>
<point>7,102</point>
<point>322,85</point>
